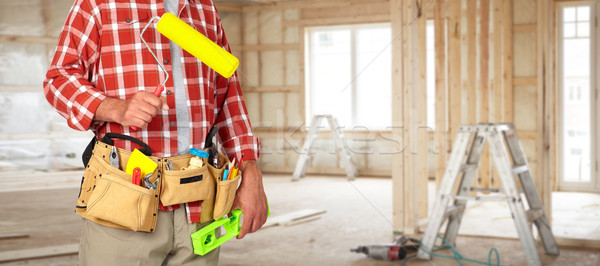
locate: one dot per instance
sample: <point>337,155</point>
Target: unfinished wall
<point>32,135</point>
<point>272,73</point>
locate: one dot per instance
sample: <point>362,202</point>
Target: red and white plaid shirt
<point>100,54</point>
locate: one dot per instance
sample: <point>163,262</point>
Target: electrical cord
<point>455,254</point>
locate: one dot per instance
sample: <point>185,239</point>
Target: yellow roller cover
<point>210,53</point>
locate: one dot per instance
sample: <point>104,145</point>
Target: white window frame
<point>353,86</point>
<point>594,184</point>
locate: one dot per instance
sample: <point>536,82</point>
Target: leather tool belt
<point>108,197</point>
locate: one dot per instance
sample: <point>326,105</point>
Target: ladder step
<point>520,169</point>
<point>482,198</point>
<point>534,214</point>
<point>450,211</point>
<point>468,167</point>
<point>481,189</point>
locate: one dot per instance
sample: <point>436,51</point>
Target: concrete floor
<point>358,213</point>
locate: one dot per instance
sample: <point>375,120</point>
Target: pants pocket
<point>226,191</point>
<point>186,186</point>
<point>121,202</point>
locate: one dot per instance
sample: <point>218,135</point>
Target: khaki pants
<point>171,244</point>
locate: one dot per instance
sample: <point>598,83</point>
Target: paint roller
<point>195,43</point>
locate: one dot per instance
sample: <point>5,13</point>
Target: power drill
<point>395,251</point>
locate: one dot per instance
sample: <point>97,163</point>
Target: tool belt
<point>108,197</point>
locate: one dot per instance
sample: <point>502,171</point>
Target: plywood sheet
<point>292,68</point>
<point>250,28</point>
<point>270,27</point>
<point>524,54</point>
<point>271,66</point>
<point>525,108</point>
<point>272,109</point>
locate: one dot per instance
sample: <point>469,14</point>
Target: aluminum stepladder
<point>497,135</point>
<point>311,141</point>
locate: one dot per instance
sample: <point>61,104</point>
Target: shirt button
<point>172,124</point>
<point>166,61</point>
<point>128,20</point>
<point>169,93</point>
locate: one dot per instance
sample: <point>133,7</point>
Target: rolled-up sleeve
<point>69,86</point>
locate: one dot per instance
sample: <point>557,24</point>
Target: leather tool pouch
<point>107,195</point>
<point>189,185</point>
<point>226,191</point>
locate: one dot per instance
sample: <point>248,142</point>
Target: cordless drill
<point>394,251</point>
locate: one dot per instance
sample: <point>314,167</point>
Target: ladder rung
<point>481,189</point>
<point>533,214</point>
<point>520,169</point>
<point>468,167</point>
<point>482,198</point>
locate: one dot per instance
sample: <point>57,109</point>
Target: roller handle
<point>159,89</point>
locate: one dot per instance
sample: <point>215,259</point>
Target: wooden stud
<point>484,61</point>
<point>454,69</point>
<point>497,84</point>
<point>441,103</point>
<point>398,188</point>
<point>420,89</point>
<point>507,76</point>
<point>471,62</point>
<point>410,216</point>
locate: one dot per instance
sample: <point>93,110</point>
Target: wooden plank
<point>471,62</point>
<point>441,101</point>
<point>354,10</point>
<point>13,235</point>
<point>484,81</point>
<point>420,44</point>
<point>398,189</point>
<point>292,217</point>
<point>37,253</point>
<point>226,7</point>
<point>524,27</point>
<point>270,47</point>
<point>580,243</point>
<point>409,139</point>
<point>525,81</point>
<point>27,39</point>
<point>273,89</point>
<point>544,127</point>
<point>507,77</point>
<point>454,70</point>
<point>497,84</point>
<point>381,18</point>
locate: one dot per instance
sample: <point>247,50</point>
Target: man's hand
<point>137,111</point>
<point>251,198</point>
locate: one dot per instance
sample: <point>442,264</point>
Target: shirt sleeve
<point>68,86</point>
<point>235,131</point>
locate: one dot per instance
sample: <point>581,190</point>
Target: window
<point>578,57</point>
<point>345,64</point>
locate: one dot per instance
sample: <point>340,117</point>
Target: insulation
<point>24,112</point>
<point>524,54</point>
<point>14,22</point>
<point>325,156</point>
<point>56,12</point>
<point>292,68</point>
<point>271,153</point>
<point>272,109</point>
<point>231,22</point>
<point>270,27</point>
<point>294,115</point>
<point>291,14</point>
<point>250,77</point>
<point>252,101</point>
<point>525,108</point>
<point>15,58</point>
<point>250,28</point>
<point>271,68</point>
<point>291,35</point>
<point>524,12</point>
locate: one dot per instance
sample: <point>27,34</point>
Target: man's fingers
<point>246,226</point>
<point>165,106</point>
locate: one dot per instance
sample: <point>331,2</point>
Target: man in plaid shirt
<point>102,78</point>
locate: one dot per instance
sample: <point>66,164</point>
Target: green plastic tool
<point>205,239</point>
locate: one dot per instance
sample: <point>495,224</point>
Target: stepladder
<point>511,165</point>
<point>310,142</point>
